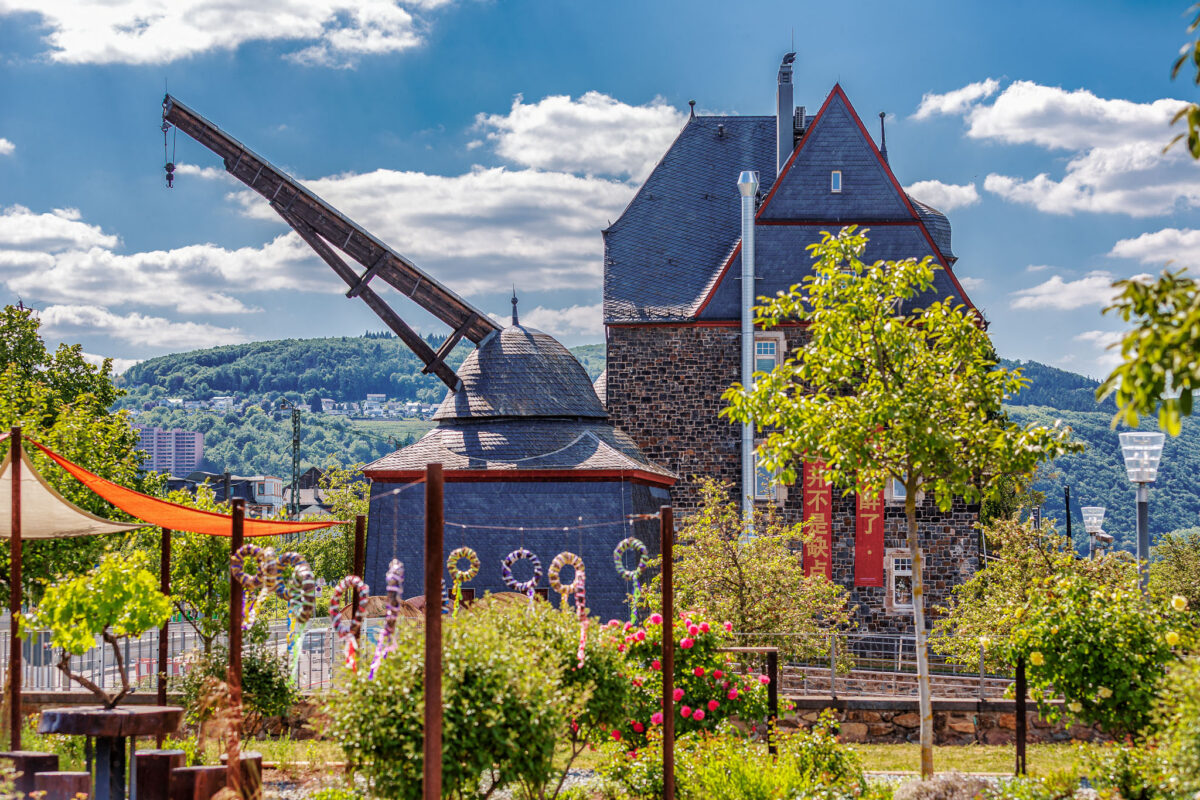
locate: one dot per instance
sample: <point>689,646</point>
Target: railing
<point>849,664</point>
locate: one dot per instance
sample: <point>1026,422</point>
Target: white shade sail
<point>46,514</point>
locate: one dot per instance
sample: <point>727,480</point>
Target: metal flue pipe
<point>748,188</point>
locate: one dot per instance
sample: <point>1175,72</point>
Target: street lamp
<point>1093,518</point>
<point>1142,452</point>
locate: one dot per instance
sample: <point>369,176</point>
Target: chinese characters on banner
<point>868,541</point>
<point>818,522</point>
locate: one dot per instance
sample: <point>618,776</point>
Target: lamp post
<point>1093,518</point>
<point>1142,451</point>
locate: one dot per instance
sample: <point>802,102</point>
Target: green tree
<point>330,551</point>
<point>1191,111</point>
<point>117,599</point>
<point>1175,567</point>
<point>63,402</point>
<point>891,384</point>
<point>756,583</point>
<point>984,611</point>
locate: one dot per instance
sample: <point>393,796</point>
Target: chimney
<point>785,131</point>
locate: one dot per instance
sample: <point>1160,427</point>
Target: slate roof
<point>666,257</point>
<point>601,387</point>
<point>521,372</point>
<point>530,444</point>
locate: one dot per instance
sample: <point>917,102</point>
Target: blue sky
<point>491,141</point>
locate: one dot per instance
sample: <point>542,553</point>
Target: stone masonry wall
<point>664,389</point>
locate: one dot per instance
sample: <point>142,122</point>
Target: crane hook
<point>170,165</point>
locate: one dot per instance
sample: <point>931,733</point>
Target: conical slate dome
<point>524,373</point>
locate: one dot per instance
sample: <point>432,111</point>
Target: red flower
<point>656,664</point>
<point>640,636</point>
<point>656,718</point>
<point>678,695</point>
<point>698,715</point>
<point>764,680</point>
<point>717,674</point>
<point>638,727</point>
<point>686,643</point>
<point>729,627</point>
<point>686,712</point>
<point>704,627</point>
<point>713,705</point>
<point>698,672</point>
<point>693,629</point>
<point>616,736</point>
<point>733,695</point>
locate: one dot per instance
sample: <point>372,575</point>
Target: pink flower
<point>638,727</point>
<point>729,627</point>
<point>620,648</point>
<point>713,705</point>
<point>698,672</point>
<point>704,627</point>
<point>764,680</point>
<point>693,629</point>
<point>724,684</point>
<point>616,736</point>
<point>698,714</point>
<point>640,636</point>
<point>656,619</point>
<point>686,643</point>
<point>656,718</point>
<point>686,712</point>
<point>733,694</point>
<point>614,623</point>
<point>628,640</point>
<point>628,625</point>
<point>717,674</point>
<point>656,664</point>
<point>678,695</point>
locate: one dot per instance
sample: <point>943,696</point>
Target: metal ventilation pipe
<point>785,127</point>
<point>748,188</point>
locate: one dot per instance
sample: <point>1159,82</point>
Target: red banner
<point>818,522</point>
<point>868,541</point>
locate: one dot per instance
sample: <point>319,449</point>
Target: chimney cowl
<point>785,133</point>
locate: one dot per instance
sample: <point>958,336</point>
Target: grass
<point>1041,759</point>
<point>397,428</point>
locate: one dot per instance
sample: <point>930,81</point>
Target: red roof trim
<point>916,218</point>
<point>835,223</point>
<point>525,475</point>
<point>699,323</point>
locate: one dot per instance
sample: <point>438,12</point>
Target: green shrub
<point>267,688</point>
<point>1135,772</point>
<point>1177,717</point>
<point>510,692</point>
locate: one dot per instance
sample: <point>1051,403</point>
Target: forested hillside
<point>348,368</point>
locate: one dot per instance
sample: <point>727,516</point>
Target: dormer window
<point>835,181</point>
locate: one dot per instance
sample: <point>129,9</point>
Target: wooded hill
<point>348,368</point>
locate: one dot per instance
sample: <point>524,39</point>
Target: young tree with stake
<point>891,384</point>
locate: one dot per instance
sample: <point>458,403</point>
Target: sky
<point>490,142</point>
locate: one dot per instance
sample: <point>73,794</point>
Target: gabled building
<point>673,311</point>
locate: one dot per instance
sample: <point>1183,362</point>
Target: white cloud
<point>594,134</point>
<point>1109,356</point>
<point>1174,246</point>
<point>482,230</point>
<point>119,365</point>
<point>572,321</point>
<point>971,284</point>
<point>944,196</point>
<point>6,147</point>
<point>1117,163</point>
<point>59,230</point>
<point>1095,288</point>
<point>336,32</point>
<point>206,173</point>
<point>1037,267</point>
<point>957,101</point>
<point>72,320</point>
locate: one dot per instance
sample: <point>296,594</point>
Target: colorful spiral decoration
<point>347,629</point>
<point>561,560</point>
<point>461,576</point>
<point>627,545</point>
<point>254,586</point>
<point>299,590</point>
<point>524,587</point>
<point>395,594</point>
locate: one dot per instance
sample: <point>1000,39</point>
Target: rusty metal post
<point>434,531</point>
<point>772,700</point>
<point>666,516</point>
<point>359,565</point>
<point>164,633</point>
<point>236,538</point>
<point>1020,691</point>
<point>14,600</point>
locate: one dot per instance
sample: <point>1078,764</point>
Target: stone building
<point>531,459</point>
<point>672,311</point>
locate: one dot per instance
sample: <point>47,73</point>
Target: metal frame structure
<point>326,230</point>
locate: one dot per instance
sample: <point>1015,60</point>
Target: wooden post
<point>164,633</point>
<point>434,530</point>
<point>360,557</point>
<point>14,600</point>
<point>666,517</point>
<point>1020,691</point>
<point>236,538</point>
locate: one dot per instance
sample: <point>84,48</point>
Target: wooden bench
<point>196,783</point>
<point>63,785</point>
<point>28,763</point>
<point>152,773</point>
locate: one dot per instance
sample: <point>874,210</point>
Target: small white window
<point>900,585</point>
<point>766,355</point>
<point>766,483</point>
<point>835,181</point>
<point>894,491</point>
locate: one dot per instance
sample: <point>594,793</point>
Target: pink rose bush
<point>707,691</point>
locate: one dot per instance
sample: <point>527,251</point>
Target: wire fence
<point>845,664</point>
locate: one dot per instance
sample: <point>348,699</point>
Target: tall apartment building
<point>172,451</point>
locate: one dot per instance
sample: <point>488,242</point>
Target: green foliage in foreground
<point>267,689</point>
<point>511,692</point>
<point>1100,647</point>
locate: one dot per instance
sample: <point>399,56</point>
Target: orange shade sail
<point>165,514</point>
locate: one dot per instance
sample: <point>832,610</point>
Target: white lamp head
<point>1142,452</point>
<point>1093,518</point>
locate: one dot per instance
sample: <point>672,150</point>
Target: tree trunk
<point>918,601</point>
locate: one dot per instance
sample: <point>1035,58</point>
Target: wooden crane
<point>325,228</point>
